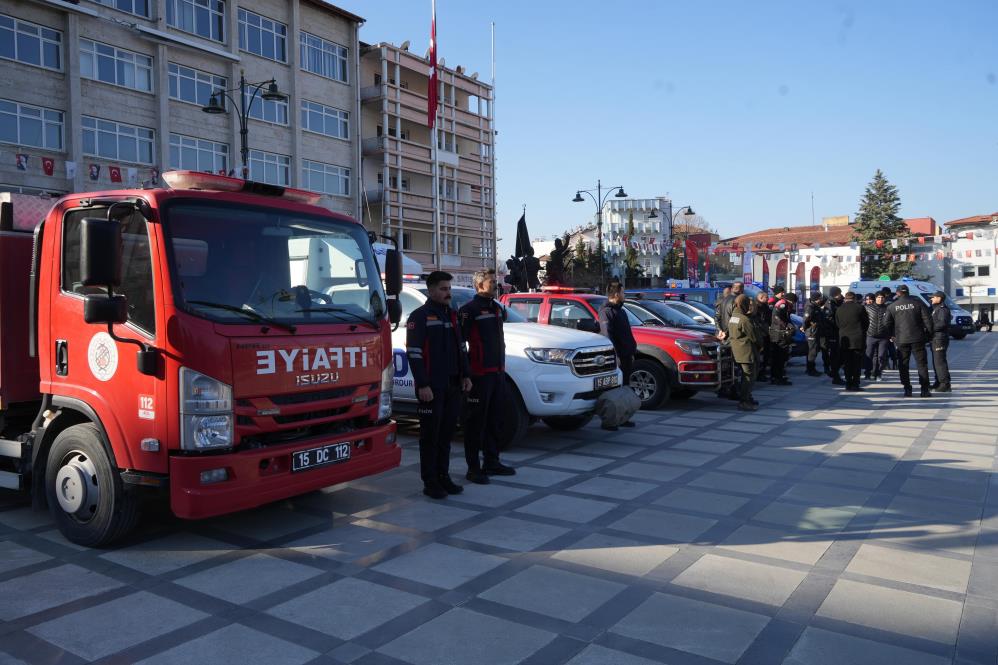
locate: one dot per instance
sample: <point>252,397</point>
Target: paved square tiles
<point>347,608</point>
<point>912,567</point>
<point>234,644</point>
<point>568,508</point>
<point>597,655</point>
<point>164,555</point>
<point>423,515</point>
<point>776,544</point>
<point>556,593</point>
<point>131,619</point>
<point>14,556</point>
<point>512,534</point>
<point>689,625</point>
<point>612,488</point>
<point>248,578</point>
<point>440,565</point>
<point>347,543</point>
<point>671,527</point>
<point>758,582</point>
<point>462,637</point>
<point>618,555</point>
<point>823,647</point>
<point>49,588</point>
<point>699,501</point>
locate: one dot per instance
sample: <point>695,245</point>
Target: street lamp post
<point>672,238</point>
<point>599,199</point>
<point>215,105</point>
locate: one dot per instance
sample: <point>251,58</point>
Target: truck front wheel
<point>84,491</point>
<point>650,383</point>
<point>514,420</point>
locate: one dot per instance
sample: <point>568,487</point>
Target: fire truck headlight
<point>206,421</point>
<point>385,400</point>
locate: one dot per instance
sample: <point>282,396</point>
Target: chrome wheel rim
<point>643,384</point>
<point>76,486</point>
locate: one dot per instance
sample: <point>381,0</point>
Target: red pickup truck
<point>671,363</point>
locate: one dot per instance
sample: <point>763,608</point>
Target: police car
<point>555,374</point>
<point>961,322</point>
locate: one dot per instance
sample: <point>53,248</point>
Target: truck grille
<point>594,361</point>
<point>964,320</point>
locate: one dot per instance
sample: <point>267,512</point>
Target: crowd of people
<point>854,337</point>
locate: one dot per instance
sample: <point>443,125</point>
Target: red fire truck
<point>221,342</point>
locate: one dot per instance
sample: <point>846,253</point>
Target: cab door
<point>91,367</point>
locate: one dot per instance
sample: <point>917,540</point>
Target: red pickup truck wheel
<point>84,491</point>
<point>650,383</point>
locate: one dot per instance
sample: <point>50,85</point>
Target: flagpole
<point>492,137</point>
<point>434,76</point>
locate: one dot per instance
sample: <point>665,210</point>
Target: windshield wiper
<point>249,313</point>
<point>340,310</point>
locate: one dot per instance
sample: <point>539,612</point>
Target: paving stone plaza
<point>826,528</point>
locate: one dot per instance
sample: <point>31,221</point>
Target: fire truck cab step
<point>11,481</point>
<point>9,448</point>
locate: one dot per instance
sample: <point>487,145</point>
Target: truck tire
<point>85,494</point>
<point>650,383</point>
<point>514,421</point>
<point>685,393</point>
<point>567,423</point>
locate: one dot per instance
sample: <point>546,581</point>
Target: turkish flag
<point>48,165</point>
<point>115,173</point>
<point>431,92</point>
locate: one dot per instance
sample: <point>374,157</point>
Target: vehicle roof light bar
<point>221,183</point>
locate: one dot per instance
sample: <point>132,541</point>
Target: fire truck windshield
<point>249,264</point>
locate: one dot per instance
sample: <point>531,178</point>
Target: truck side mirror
<point>101,308</point>
<point>393,272</point>
<point>394,311</point>
<point>588,325</point>
<point>100,252</point>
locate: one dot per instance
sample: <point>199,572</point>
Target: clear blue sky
<point>741,109</point>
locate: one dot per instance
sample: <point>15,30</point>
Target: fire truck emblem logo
<point>102,356</point>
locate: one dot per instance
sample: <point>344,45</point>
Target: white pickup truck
<point>555,374</point>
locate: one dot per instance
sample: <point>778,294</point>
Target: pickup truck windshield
<point>460,296</point>
<point>250,264</point>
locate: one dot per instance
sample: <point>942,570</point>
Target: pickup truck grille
<point>964,320</point>
<point>594,361</point>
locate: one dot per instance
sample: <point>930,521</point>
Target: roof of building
<point>924,225</point>
<point>336,10</point>
<point>976,219</point>
<point>799,235</point>
<point>441,64</point>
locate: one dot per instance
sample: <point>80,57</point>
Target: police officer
<point>832,335</point>
<point>878,335</point>
<point>481,326</point>
<point>912,324</point>
<point>940,341</point>
<point>781,337</point>
<point>744,347</point>
<point>722,312</point>
<point>814,325</point>
<point>440,370</point>
<point>614,324</point>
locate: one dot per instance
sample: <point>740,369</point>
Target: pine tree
<point>878,219</point>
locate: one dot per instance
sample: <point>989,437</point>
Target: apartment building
<point>650,238</point>
<point>99,92</point>
<point>432,190</point>
<point>974,273</point>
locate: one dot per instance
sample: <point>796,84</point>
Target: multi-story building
<point>432,190</point>
<point>97,92</point>
<point>650,239</point>
<point>974,278</point>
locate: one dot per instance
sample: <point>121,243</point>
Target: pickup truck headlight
<point>387,384</point>
<point>550,356</point>
<point>691,348</point>
<point>205,412</point>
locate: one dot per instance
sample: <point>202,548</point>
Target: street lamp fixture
<point>672,240</point>
<point>599,198</point>
<point>268,90</point>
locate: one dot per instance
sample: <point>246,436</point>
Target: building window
<point>194,86</point>
<point>137,7</point>
<point>968,271</point>
<point>109,64</point>
<point>406,240</point>
<point>30,43</point>
<point>983,271</point>
<point>205,18</point>
<point>262,36</point>
<point>325,120</point>
<point>394,182</point>
<point>270,167</point>
<point>447,189</point>
<point>34,126</point>
<point>324,58</point>
<point>268,111</point>
<point>116,140</point>
<point>450,244</point>
<point>193,154</point>
<point>447,141</point>
<point>325,178</point>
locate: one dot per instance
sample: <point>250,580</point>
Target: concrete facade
<point>159,32</point>
<point>433,190</point>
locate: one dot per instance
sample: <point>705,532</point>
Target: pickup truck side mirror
<point>588,325</point>
<point>393,284</point>
<point>700,318</point>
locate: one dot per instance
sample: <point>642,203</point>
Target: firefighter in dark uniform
<point>912,324</point>
<point>832,335</point>
<point>481,326</point>
<point>781,336</point>
<point>940,341</point>
<point>742,335</point>
<point>440,370</point>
